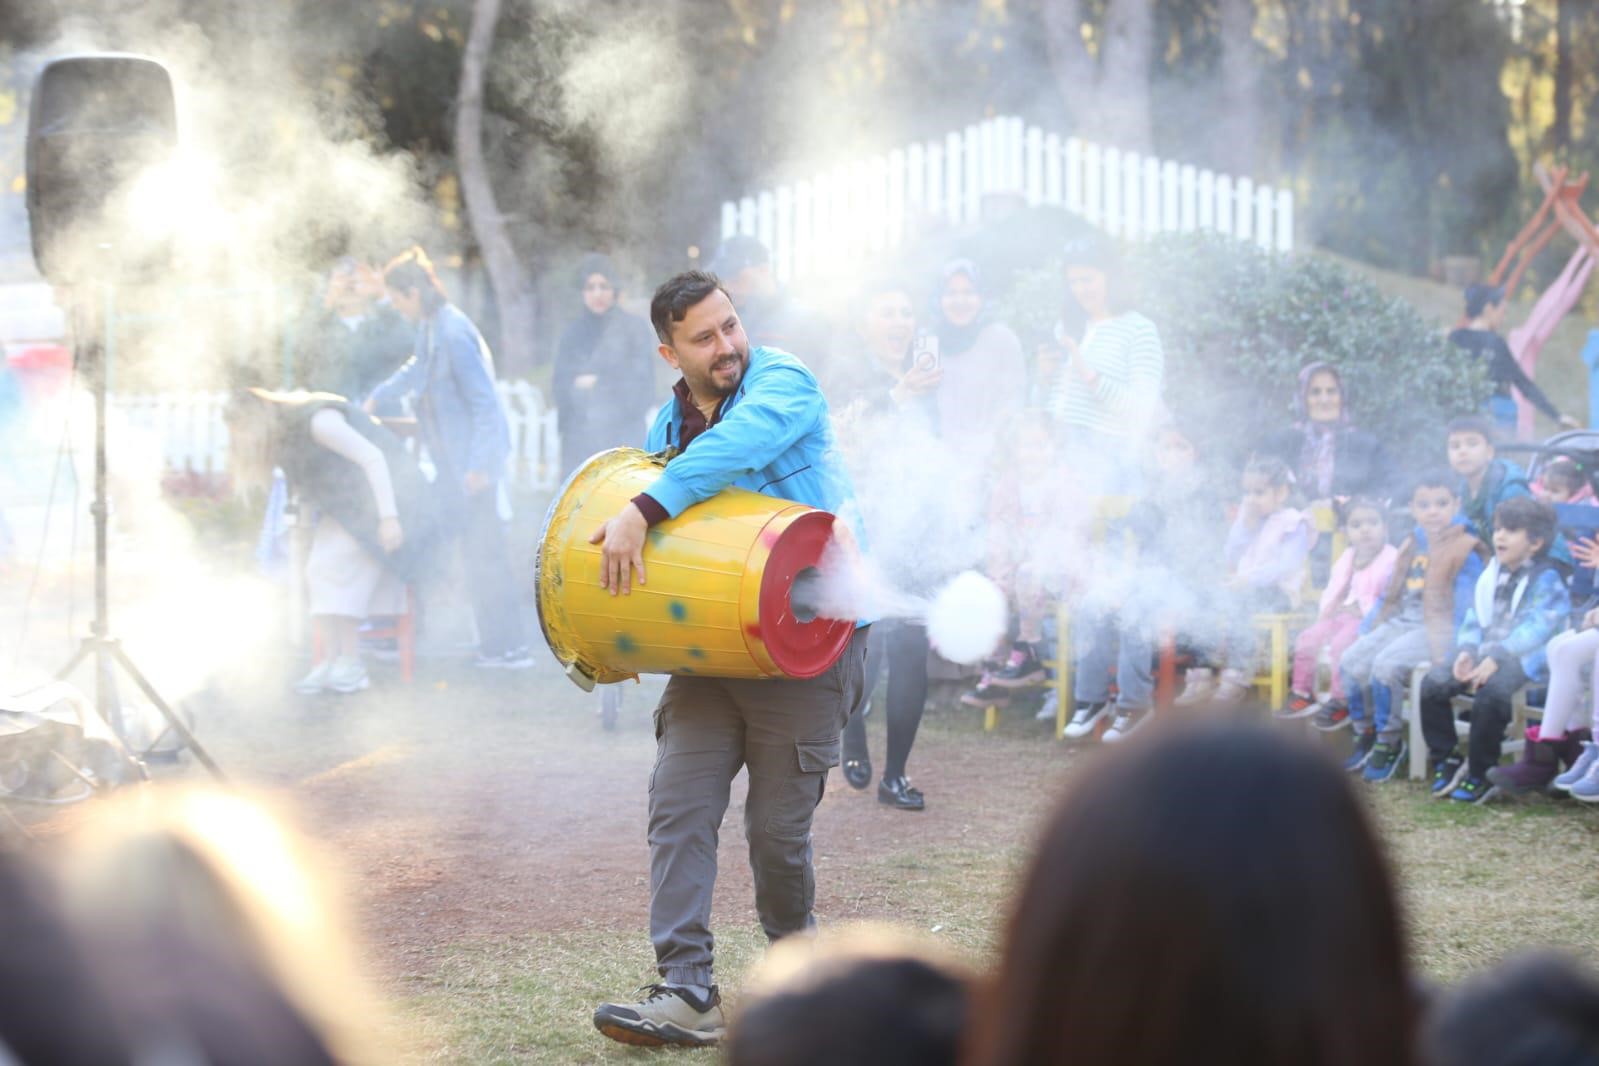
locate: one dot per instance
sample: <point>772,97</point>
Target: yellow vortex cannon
<point>728,583</point>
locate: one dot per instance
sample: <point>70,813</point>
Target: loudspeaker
<point>95,123</point>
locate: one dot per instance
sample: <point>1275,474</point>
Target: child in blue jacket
<point>1521,603</point>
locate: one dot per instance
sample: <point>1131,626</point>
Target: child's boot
<point>1539,763</point>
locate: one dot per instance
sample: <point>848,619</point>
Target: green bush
<point>1237,323</point>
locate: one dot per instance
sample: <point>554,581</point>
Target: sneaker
<point>1021,669</point>
<point>1299,706</point>
<point>346,675</point>
<point>1046,710</point>
<point>1083,722</point>
<point>1234,686</point>
<point>1386,758</point>
<point>1364,743</point>
<point>1199,684</point>
<point>1579,769</point>
<point>666,1015</point>
<point>986,694</point>
<point>1333,716</point>
<point>316,680</point>
<point>1474,790</point>
<point>1446,774</point>
<point>1587,790</point>
<point>515,659</point>
<point>1128,719</point>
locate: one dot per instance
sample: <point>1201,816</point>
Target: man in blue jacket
<point>755,419</point>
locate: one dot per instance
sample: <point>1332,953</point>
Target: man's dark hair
<point>1233,933</point>
<point>1530,1011</point>
<point>1439,477</point>
<point>893,1011</point>
<point>1531,515</point>
<point>1480,297</point>
<point>1478,424</point>
<point>412,269</point>
<point>676,295</point>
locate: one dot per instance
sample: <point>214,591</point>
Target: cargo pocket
<point>817,756</point>
<point>794,801</point>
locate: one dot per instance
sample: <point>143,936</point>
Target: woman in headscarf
<point>604,370</point>
<point>984,378</point>
<point>1330,457</point>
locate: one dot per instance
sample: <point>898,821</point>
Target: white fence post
<point>1035,167</point>
<point>1093,174</point>
<point>1285,220</point>
<point>1244,210</point>
<point>1054,191</point>
<point>1113,191</point>
<point>1074,176</point>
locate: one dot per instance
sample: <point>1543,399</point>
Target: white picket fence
<point>873,205</point>
<point>188,432</point>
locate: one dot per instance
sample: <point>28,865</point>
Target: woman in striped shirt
<point>1108,395</point>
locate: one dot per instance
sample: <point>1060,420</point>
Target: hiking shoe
<point>1587,790</point>
<point>346,675</point>
<point>666,1015</point>
<point>1474,790</point>
<point>1299,706</point>
<point>986,694</point>
<point>1082,723</point>
<point>1333,716</point>
<point>1386,757</point>
<point>1364,743</point>
<point>316,681</point>
<point>515,659</point>
<point>1128,719</point>
<point>1579,769</point>
<point>1046,710</point>
<point>1446,774</point>
<point>1021,669</point>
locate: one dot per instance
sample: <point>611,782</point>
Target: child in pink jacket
<point>1357,581</point>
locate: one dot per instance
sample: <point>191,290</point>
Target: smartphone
<point>924,354</point>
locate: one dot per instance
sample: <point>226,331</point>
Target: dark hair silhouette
<point>1480,297</point>
<point>1213,894</point>
<point>412,269</point>
<point>1437,477</point>
<point>892,1010</point>
<point>1533,516</point>
<point>1478,424</point>
<point>1535,1010</point>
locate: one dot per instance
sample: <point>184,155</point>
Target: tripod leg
<point>171,716</point>
<point>72,663</point>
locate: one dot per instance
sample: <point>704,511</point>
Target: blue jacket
<point>451,376</point>
<point>1539,606</point>
<point>773,435</point>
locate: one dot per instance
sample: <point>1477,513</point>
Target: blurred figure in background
<point>860,996</point>
<point>885,423</point>
<point>213,933</point>
<point>1480,337</point>
<point>770,316</point>
<point>1251,921</point>
<point>1108,396</point>
<point>604,379</point>
<point>450,377</point>
<point>1536,1010</point>
<point>373,523</point>
<point>358,340</point>
<point>984,368</point>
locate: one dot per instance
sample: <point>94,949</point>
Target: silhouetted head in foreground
<point>1537,1010</point>
<point>1214,894</point>
<point>860,997</point>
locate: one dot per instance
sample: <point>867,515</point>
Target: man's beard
<point>741,359</point>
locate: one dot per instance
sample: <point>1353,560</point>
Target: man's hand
<point>390,535</point>
<point>623,541</point>
<point>918,380</point>
<point>1485,669</point>
<point>475,482</point>
<point>1570,422</point>
<point>1464,665</point>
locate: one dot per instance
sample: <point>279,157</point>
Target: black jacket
<point>1361,465</point>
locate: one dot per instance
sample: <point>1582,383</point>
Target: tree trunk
<point>1237,134</point>
<point>1560,132</point>
<point>513,292</point>
<point>1070,62</point>
<point>1124,65</point>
